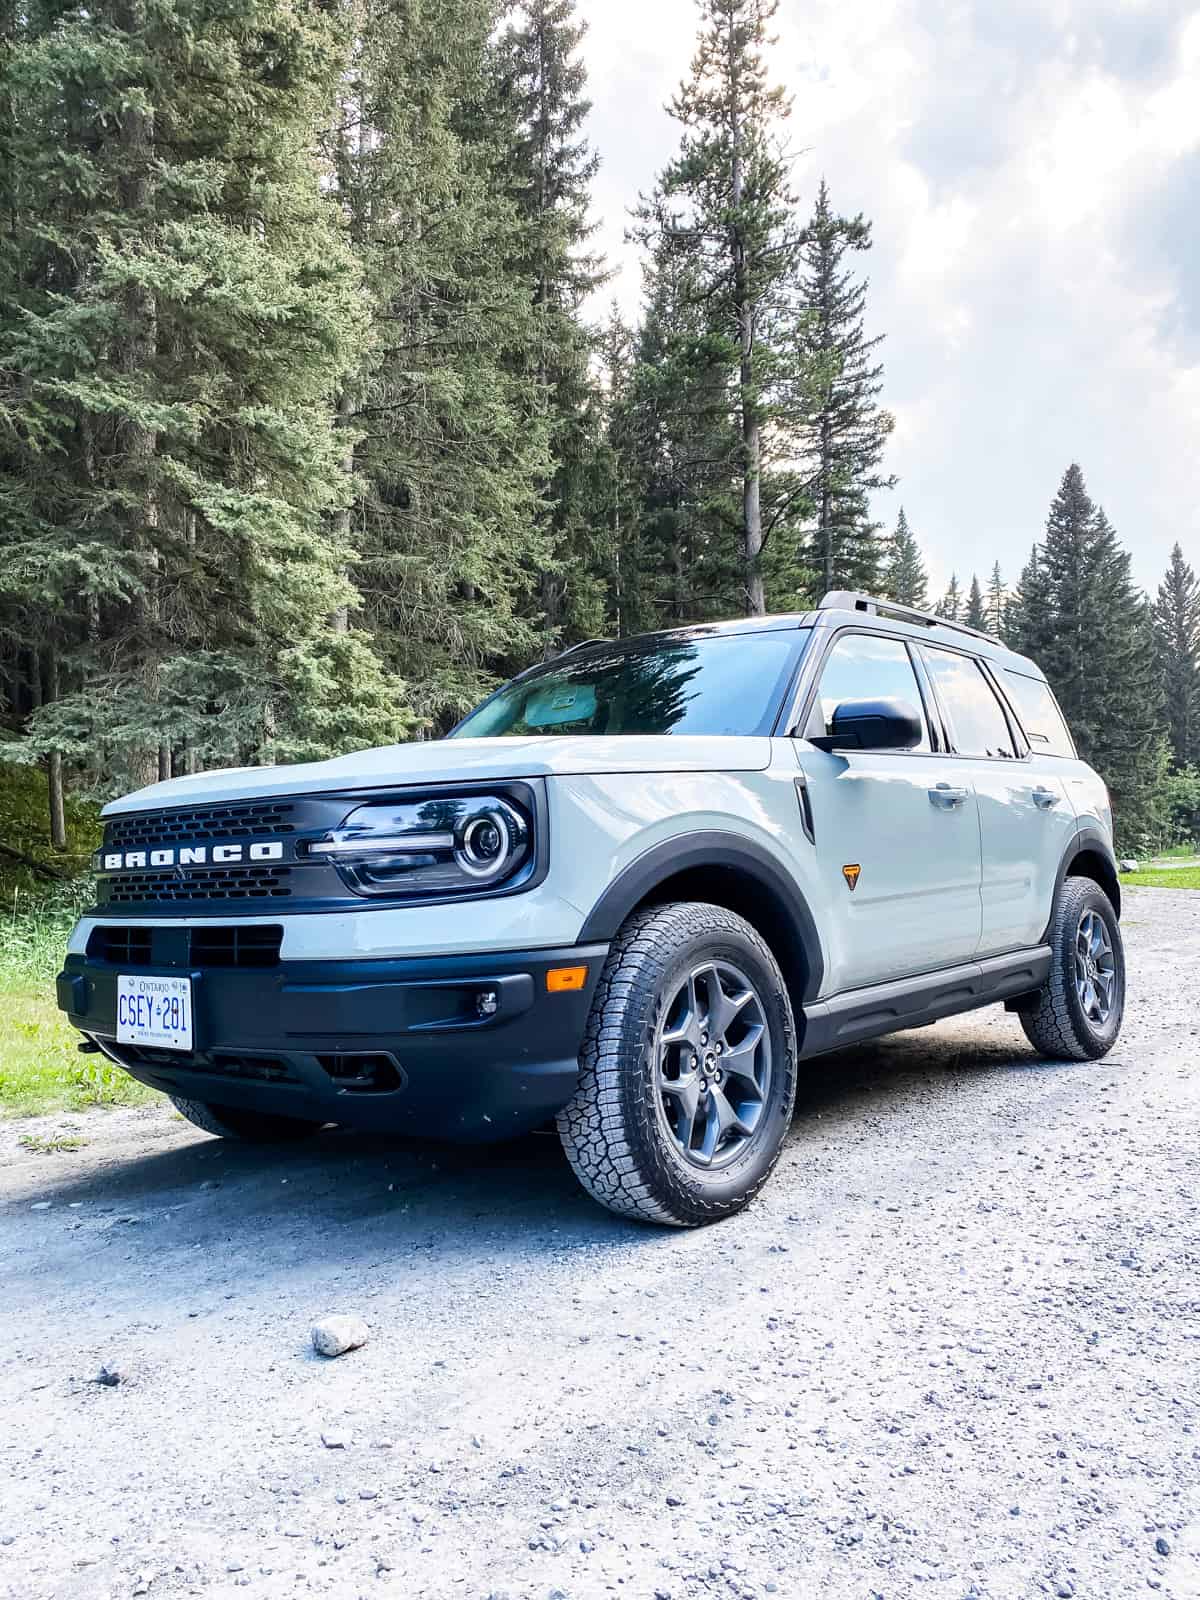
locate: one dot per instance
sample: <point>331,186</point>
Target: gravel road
<point>954,1350</point>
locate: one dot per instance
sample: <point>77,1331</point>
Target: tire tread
<point>1050,1024</point>
<point>599,1140</point>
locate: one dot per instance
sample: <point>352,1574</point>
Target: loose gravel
<point>951,1351</point>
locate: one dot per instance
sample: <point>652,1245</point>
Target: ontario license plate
<point>154,1011</point>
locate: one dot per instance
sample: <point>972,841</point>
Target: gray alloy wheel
<point>714,1064</point>
<point>1095,968</point>
<point>687,1075</point>
<point>1076,1015</point>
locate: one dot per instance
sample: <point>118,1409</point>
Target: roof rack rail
<point>580,644</point>
<point>849,600</point>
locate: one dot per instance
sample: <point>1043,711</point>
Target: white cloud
<point>1032,171</point>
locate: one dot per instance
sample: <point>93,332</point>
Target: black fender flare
<point>1088,840</point>
<point>726,852</point>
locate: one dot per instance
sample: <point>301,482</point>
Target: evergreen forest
<point>310,432</point>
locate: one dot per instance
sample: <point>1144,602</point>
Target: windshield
<point>723,683</point>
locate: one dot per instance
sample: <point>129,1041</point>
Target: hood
<point>460,761</point>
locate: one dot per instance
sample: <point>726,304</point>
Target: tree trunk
<point>340,621</point>
<point>752,534</point>
<point>33,678</point>
<point>550,596</point>
<point>58,815</point>
<point>348,157</point>
<point>54,766</point>
<point>135,350</point>
<point>825,523</point>
<point>549,591</point>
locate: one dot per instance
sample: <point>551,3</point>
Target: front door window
<point>864,666</point>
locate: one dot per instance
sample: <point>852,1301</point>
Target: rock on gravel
<point>333,1336</point>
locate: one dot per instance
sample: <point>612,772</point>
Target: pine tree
<point>1177,633</point>
<point>905,580</point>
<point>672,424</point>
<point>976,616</point>
<point>1090,631</point>
<point>723,294</point>
<point>549,168</point>
<point>950,605</point>
<point>846,431</point>
<point>1028,618</point>
<point>617,491</point>
<point>176,306</point>
<point>997,598</point>
<point>451,425</point>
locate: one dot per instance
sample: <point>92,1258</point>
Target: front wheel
<point>253,1127</point>
<point>1076,1014</point>
<point>688,1069</point>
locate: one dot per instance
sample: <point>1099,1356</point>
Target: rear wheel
<point>688,1069</point>
<point>1077,1013</point>
<point>234,1122</point>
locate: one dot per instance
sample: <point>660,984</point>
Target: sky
<point>1031,170</point>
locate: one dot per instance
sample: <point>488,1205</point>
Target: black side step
<point>860,1014</point>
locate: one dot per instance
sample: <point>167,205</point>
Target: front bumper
<point>391,1045</point>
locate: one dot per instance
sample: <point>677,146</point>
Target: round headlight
<point>486,843</point>
<point>432,846</point>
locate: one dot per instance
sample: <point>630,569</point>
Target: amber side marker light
<point>562,980</point>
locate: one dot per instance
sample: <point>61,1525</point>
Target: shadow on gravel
<point>907,1066</point>
<point>337,1169</point>
<point>387,1188</point>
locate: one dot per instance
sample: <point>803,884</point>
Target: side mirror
<point>872,725</point>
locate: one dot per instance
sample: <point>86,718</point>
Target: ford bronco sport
<point>630,892</point>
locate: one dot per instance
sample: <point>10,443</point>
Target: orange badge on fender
<point>850,872</point>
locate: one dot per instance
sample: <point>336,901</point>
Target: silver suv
<point>632,891</point>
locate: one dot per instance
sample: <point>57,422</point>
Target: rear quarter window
<point>1039,714</point>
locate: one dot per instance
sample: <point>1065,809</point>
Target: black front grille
<point>198,884</point>
<point>128,946</point>
<point>255,945</point>
<point>263,1069</point>
<point>221,1063</point>
<point>242,819</point>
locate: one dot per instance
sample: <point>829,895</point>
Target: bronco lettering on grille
<point>199,855</point>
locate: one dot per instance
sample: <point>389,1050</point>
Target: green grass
<point>1178,852</point>
<point>25,826</point>
<point>40,1068</point>
<point>1167,878</point>
<point>51,1144</point>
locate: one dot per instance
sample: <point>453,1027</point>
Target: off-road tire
<point>1055,1023</point>
<point>612,1130</point>
<point>252,1127</point>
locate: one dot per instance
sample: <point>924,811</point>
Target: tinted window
<point>726,683</point>
<point>979,724</point>
<point>1040,716</point>
<point>862,666</point>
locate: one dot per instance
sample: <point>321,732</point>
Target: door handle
<point>1045,798</point>
<point>946,797</point>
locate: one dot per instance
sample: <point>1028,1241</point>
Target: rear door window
<point>978,723</point>
<point>1039,714</point>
